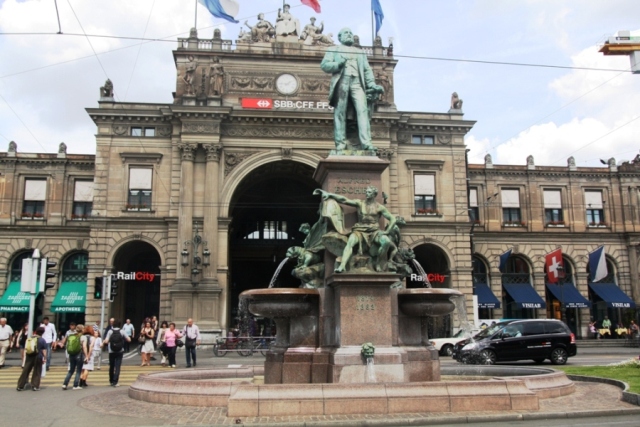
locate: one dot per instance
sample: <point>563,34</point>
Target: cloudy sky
<point>552,106</point>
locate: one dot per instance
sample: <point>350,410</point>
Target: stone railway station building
<point>191,203</point>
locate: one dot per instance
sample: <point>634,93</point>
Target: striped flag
<point>312,4</point>
<point>598,264</point>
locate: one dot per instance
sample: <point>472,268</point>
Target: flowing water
<point>370,371</point>
<point>275,275</point>
<point>465,325</point>
<point>422,273</point>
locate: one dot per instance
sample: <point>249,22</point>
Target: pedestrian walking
<point>171,336</point>
<point>115,342</point>
<point>97,349</point>
<point>23,335</point>
<point>35,357</point>
<point>6,333</point>
<point>88,341</point>
<point>191,335</point>
<point>50,337</point>
<point>71,331</point>
<point>161,342</point>
<point>108,328</point>
<point>76,358</point>
<point>129,331</point>
<point>146,339</point>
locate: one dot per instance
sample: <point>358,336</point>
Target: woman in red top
<point>170,337</point>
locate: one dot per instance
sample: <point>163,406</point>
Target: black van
<point>536,339</point>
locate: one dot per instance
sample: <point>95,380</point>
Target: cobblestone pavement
<point>588,398</point>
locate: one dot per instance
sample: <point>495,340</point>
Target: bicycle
<point>241,345</point>
<point>263,344</point>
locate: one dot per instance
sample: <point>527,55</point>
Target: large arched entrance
<point>436,266</point>
<point>268,208</point>
<point>137,269</point>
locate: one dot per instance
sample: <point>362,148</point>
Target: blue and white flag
<point>598,264</point>
<point>503,260</point>
<point>225,9</point>
<point>377,12</point>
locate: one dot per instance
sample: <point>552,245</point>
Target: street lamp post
<point>105,275</point>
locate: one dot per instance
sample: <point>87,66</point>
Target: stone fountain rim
<point>252,293</point>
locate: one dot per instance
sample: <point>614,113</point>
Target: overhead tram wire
<point>107,76</point>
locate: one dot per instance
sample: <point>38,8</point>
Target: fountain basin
<point>427,302</point>
<point>507,388</point>
<point>281,302</point>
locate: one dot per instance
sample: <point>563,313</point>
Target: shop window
<point>425,195</point>
<point>511,207</point>
<point>553,208</point>
<point>139,198</point>
<point>82,200</point>
<point>35,191</point>
<point>422,139</point>
<point>594,208</point>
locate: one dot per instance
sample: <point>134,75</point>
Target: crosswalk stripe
<point>55,376</point>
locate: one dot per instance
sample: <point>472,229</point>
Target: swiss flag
<point>554,264</point>
<point>257,103</point>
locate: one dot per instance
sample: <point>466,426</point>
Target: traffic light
<point>113,290</point>
<point>97,290</point>
<point>45,275</point>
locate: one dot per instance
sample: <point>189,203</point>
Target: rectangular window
<point>422,139</point>
<point>139,189</point>
<point>424,194</point>
<point>35,193</point>
<point>511,206</point>
<point>136,131</point>
<point>553,207</point>
<point>474,212</point>
<point>146,132</point>
<point>594,207</point>
<point>149,132</point>
<point>82,200</point>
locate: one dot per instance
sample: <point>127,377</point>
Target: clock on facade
<point>287,84</point>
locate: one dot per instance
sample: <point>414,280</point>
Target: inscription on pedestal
<point>365,303</point>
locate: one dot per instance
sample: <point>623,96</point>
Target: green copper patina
<point>351,94</point>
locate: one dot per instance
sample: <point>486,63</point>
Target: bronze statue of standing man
<point>353,82</point>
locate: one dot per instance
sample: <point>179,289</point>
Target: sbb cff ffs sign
<point>257,103</point>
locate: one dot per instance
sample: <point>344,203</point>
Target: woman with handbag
<point>172,341</point>
<point>161,342</point>
<point>146,339</point>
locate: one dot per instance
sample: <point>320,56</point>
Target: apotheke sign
<point>268,104</point>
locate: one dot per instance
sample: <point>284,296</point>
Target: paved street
<point>100,405</point>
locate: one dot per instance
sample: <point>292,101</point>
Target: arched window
<point>519,297</point>
<point>74,268</point>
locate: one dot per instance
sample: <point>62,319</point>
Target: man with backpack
<point>35,356</point>
<point>74,350</point>
<point>115,340</point>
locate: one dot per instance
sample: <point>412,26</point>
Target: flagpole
<point>373,37</point>
<point>195,20</point>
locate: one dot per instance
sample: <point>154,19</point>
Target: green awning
<point>71,298</point>
<point>14,300</point>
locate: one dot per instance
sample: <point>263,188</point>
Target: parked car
<point>445,345</point>
<point>536,339</point>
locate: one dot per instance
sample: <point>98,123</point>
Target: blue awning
<point>524,295</point>
<point>486,298</point>
<point>568,295</point>
<point>612,295</point>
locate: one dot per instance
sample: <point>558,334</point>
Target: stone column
<point>185,225</point>
<point>211,210</point>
